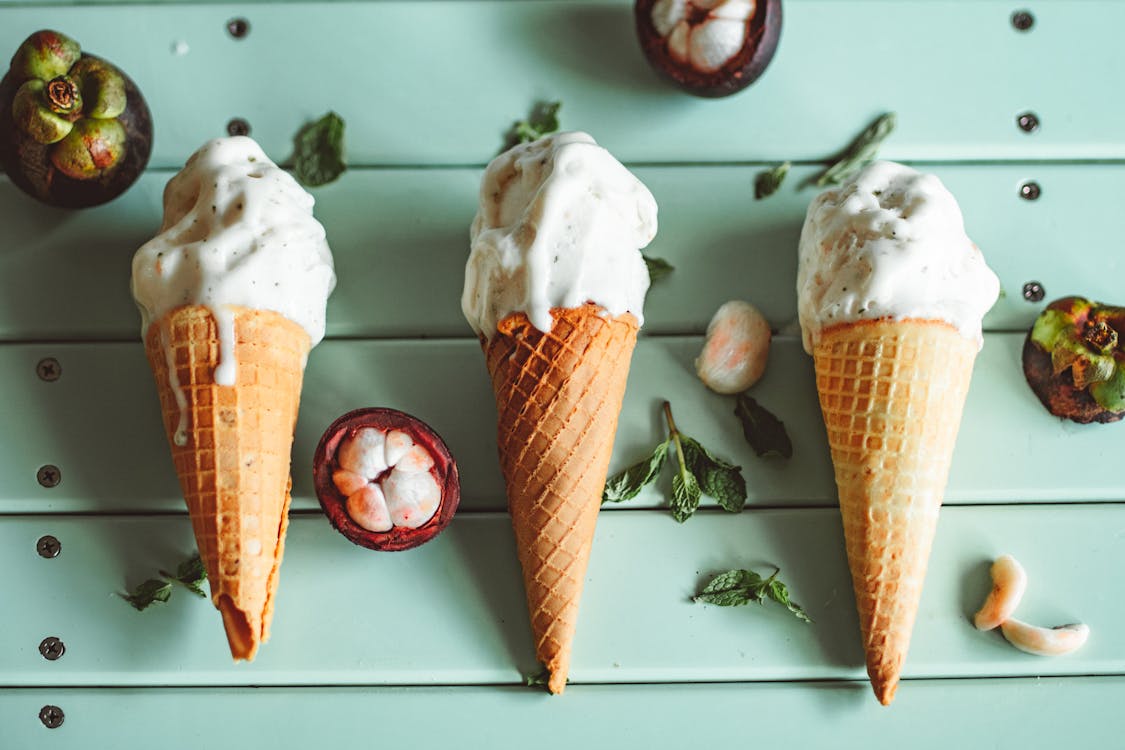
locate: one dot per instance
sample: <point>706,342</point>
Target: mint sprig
<point>658,268</point>
<point>543,120</point>
<point>769,180</point>
<point>318,151</point>
<point>737,587</point>
<point>859,153</point>
<point>190,574</point>
<point>697,472</point>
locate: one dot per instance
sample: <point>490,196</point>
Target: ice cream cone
<point>558,395</point>
<point>891,393</point>
<point>231,447</point>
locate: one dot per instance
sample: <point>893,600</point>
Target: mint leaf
<point>716,478</point>
<point>543,120</point>
<point>628,484</point>
<point>859,153</point>
<point>539,679</point>
<point>685,495</point>
<point>732,589</point>
<point>148,593</point>
<point>765,432</point>
<point>658,268</point>
<point>769,180</point>
<point>777,591</point>
<point>737,587</point>
<point>318,151</point>
<point>191,574</point>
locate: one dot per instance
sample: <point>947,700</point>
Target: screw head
<point>238,126</point>
<point>49,475</point>
<point>48,546</point>
<point>49,369</point>
<point>1022,20</point>
<point>1033,291</point>
<point>238,27</point>
<point>1028,122</point>
<point>51,716</point>
<point>1030,190</point>
<point>52,648</point>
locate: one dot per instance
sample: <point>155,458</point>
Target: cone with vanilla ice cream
<point>232,293</point>
<point>891,294</point>
<point>554,288</point>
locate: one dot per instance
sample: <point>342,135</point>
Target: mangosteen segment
<point>74,129</point>
<point>385,479</point>
<point>709,47</point>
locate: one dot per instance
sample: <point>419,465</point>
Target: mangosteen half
<point>385,479</point>
<point>74,129</point>
<point>709,47</point>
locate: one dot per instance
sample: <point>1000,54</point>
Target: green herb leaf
<point>658,268</point>
<point>685,495</point>
<point>628,484</point>
<point>716,478</point>
<point>539,679</point>
<point>191,574</point>
<point>737,587</point>
<point>769,180</point>
<point>318,151</point>
<point>543,120</point>
<point>861,151</point>
<point>148,593</point>
<point>765,432</point>
<point>732,589</point>
<point>777,591</point>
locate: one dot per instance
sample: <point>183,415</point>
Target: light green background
<point>426,648</point>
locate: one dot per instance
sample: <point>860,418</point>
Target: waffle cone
<point>558,395</point>
<point>891,393</point>
<point>234,463</point>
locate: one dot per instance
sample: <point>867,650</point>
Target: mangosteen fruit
<point>709,47</point>
<point>385,479</point>
<point>74,129</point>
<point>1074,360</point>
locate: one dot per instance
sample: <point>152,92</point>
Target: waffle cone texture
<point>558,396</point>
<point>891,393</point>
<point>234,464</point>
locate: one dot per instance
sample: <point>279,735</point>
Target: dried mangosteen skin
<point>739,72</point>
<point>1058,393</point>
<point>29,166</point>
<point>335,504</point>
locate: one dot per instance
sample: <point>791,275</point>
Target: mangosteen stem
<point>62,95</point>
<point>1100,336</point>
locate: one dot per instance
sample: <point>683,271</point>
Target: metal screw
<point>1033,291</point>
<point>1023,20</point>
<point>238,126</point>
<point>1028,122</point>
<point>238,27</point>
<point>48,546</point>
<point>49,369</point>
<point>52,648</point>
<point>49,475</point>
<point>1030,191</point>
<point>51,716</point>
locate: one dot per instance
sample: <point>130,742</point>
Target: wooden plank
<point>100,425</point>
<point>928,715</point>
<point>400,240</point>
<point>452,612</point>
<point>439,82</point>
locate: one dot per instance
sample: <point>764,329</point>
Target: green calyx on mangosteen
<point>74,129</point>
<point>1074,360</point>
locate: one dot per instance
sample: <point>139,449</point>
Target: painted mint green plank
<point>400,239</point>
<point>438,82</point>
<point>1009,450</point>
<point>100,425</point>
<point>1011,714</point>
<point>452,612</point>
